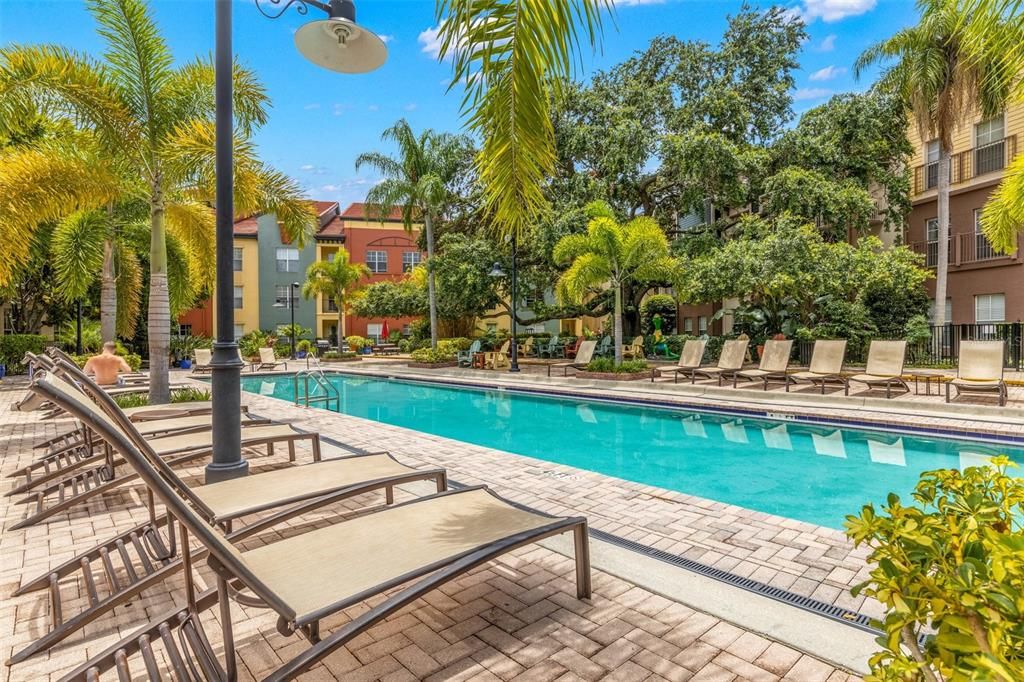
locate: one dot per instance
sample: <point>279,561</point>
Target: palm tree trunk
<point>108,294</point>
<point>942,262</point>
<point>618,324</point>
<point>431,293</point>
<point>159,300</point>
<point>341,322</point>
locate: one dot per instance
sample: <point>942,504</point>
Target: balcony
<point>967,165</point>
<point>964,249</point>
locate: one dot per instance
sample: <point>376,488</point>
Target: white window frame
<point>239,331</point>
<point>989,309</point>
<point>949,310</point>
<point>688,325</point>
<point>377,261</point>
<point>931,152</point>
<point>236,259</point>
<point>282,300</point>
<point>289,256</point>
<point>410,259</point>
<point>238,298</point>
<point>989,124</point>
<point>702,325</point>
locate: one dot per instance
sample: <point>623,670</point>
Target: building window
<point>702,325</point>
<point>989,308</point>
<point>239,331</point>
<point>238,298</point>
<point>931,229</point>
<point>184,330</point>
<point>287,259</point>
<point>377,261</point>
<point>331,255</point>
<point>330,305</point>
<point>931,161</point>
<point>688,325</point>
<point>281,294</point>
<point>989,146</point>
<point>492,326</point>
<point>535,329</point>
<point>236,259</point>
<point>410,259</point>
<point>949,311</point>
<point>982,247</point>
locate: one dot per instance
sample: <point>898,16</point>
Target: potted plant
<point>303,348</point>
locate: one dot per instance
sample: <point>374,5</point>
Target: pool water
<point>807,472</point>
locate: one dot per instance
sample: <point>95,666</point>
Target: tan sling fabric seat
<point>583,357</point>
<point>689,360</point>
<point>729,362</point>
<point>884,367</point>
<point>774,364</point>
<point>204,356</point>
<point>979,370</point>
<point>826,365</point>
<point>269,360</point>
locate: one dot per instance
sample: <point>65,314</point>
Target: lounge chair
<point>634,350</point>
<point>465,357</point>
<point>826,365</point>
<point>498,359</point>
<point>730,361</point>
<point>312,576</point>
<point>583,357</point>
<point>204,356</point>
<point>145,557</point>
<point>524,350</point>
<point>979,370</point>
<point>884,368</point>
<point>774,364</point>
<point>689,360</point>
<point>268,360</point>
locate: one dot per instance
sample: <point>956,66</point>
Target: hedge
<point>14,346</point>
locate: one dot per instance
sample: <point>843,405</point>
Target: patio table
<point>928,376</point>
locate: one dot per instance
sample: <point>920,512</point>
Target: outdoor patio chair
<point>634,350</point>
<point>268,360</point>
<point>604,348</point>
<point>498,359</point>
<point>204,356</point>
<point>774,364</point>
<point>979,370</point>
<point>583,357</point>
<point>689,360</point>
<point>465,357</point>
<point>884,368</point>
<point>309,577</point>
<point>826,365</point>
<point>525,349</point>
<point>553,348</point>
<point>145,556</point>
<point>730,361</point>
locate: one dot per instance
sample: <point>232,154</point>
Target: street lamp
<point>497,271</point>
<point>337,43</point>
<point>291,306</point>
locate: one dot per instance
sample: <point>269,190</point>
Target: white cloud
<point>636,3</point>
<point>339,109</point>
<point>811,93</point>
<point>430,41</point>
<point>307,167</point>
<point>411,106</point>
<point>386,38</point>
<point>835,10</point>
<point>311,107</point>
<point>827,44</point>
<point>828,73</point>
<point>330,188</point>
<point>373,107</point>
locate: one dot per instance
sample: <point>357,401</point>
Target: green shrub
<point>335,355</point>
<point>129,400</point>
<point>356,343</point>
<point>14,346</point>
<point>433,355</point>
<point>304,345</point>
<point>951,568</point>
<point>658,304</point>
<point>249,344</point>
<point>190,395</point>
<point>625,367</point>
<point>458,343</point>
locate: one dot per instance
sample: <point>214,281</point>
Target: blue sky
<point>320,121</point>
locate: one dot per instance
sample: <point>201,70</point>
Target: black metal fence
<point>943,348</point>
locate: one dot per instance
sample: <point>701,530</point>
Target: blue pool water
<point>807,472</point>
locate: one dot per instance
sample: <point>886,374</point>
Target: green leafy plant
<point>453,345</point>
<point>949,568</point>
<point>433,355</point>
<point>304,346</point>
<point>357,343</point>
<point>189,395</point>
<point>185,346</point>
<point>918,332</point>
<point>625,367</point>
<point>658,304</point>
<point>14,346</point>
<point>129,400</point>
<point>249,344</point>
<point>335,355</point>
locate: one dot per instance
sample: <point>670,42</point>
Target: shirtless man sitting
<point>106,366</point>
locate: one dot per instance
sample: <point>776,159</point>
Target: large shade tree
<point>941,76</point>
<point>152,140</point>
<point>336,279</point>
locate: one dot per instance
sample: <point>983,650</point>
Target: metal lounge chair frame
<point>203,358</point>
<point>690,360</point>
<point>268,360</point>
<point>583,357</point>
<point>980,369</point>
<point>235,572</point>
<point>141,557</point>
<point>886,360</point>
<point>730,361</point>
<point>824,367</point>
<point>774,364</point>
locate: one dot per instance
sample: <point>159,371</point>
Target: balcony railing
<point>964,249</point>
<point>967,165</point>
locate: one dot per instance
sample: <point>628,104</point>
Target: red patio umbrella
<point>385,333</point>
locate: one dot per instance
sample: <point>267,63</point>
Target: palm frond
<point>1003,216</point>
<point>129,290</point>
<point>190,91</point>
<point>587,273</point>
<point>193,223</point>
<point>182,287</point>
<point>77,252</point>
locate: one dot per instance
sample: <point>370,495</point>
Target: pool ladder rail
<point>323,391</point>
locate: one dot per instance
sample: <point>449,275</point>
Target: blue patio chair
<point>604,349</point>
<point>465,357</point>
<point>551,349</point>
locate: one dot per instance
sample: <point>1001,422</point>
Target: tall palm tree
<point>942,71</point>
<point>612,255</point>
<point>418,181</point>
<point>337,279</point>
<point>154,131</point>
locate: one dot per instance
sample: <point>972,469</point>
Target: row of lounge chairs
<point>268,361</point>
<point>304,578</point>
<point>979,370</point>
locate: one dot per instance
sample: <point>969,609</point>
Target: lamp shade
<point>341,45</point>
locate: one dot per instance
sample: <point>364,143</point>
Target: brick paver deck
<point>513,619</point>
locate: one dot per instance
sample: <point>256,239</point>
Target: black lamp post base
<point>514,369</point>
<point>215,473</point>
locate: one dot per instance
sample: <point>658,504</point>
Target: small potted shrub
<point>303,348</point>
<point>358,344</point>
<point>432,358</point>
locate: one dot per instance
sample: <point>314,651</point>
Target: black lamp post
<point>291,306</point>
<point>337,43</point>
<point>497,271</point>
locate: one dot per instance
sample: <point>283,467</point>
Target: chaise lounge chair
<point>729,362</point>
<point>689,360</point>
<point>141,557</point>
<point>979,370</point>
<point>826,365</point>
<point>884,368</point>
<point>268,360</point>
<point>583,357</point>
<point>774,364</point>
<point>312,576</point>
<point>204,356</point>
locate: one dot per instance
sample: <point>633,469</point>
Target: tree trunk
<point>618,324</point>
<point>159,300</point>
<point>341,321</point>
<point>108,294</point>
<point>431,292</point>
<point>942,262</point>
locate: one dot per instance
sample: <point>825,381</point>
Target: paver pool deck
<point>514,618</point>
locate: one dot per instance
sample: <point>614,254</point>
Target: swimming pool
<point>801,471</point>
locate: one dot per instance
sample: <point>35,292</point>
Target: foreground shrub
<point>356,343</point>
<point>180,395</point>
<point>456,344</point>
<point>608,365</point>
<point>432,355</point>
<point>335,355</point>
<point>126,401</point>
<point>950,568</point>
<point>14,346</point>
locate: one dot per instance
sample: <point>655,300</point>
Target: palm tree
<point>612,255</point>
<point>335,279</point>
<point>153,131</point>
<point>418,181</point>
<point>942,71</point>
